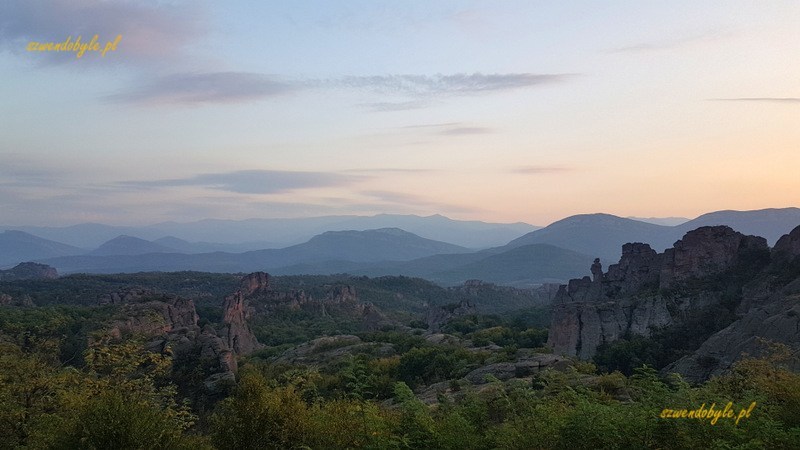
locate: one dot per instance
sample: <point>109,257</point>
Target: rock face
<point>256,282</point>
<point>438,316</point>
<point>628,298</point>
<point>236,331</point>
<point>334,300</point>
<point>787,249</point>
<point>25,301</point>
<point>170,323</point>
<point>777,320</point>
<point>29,271</point>
<point>703,252</point>
<point>638,267</point>
<point>154,316</point>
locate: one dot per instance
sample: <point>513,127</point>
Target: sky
<point>500,111</point>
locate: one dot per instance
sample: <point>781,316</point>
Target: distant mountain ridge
<point>353,246</point>
<point>129,245</point>
<point>257,234</point>
<point>771,223</point>
<point>19,246</point>
<point>601,235</point>
<point>560,251</point>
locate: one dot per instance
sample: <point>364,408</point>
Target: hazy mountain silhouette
<point>18,246</point>
<point>256,234</point>
<point>599,235</point>
<point>602,235</point>
<point>129,245</point>
<point>768,223</point>
<point>355,246</point>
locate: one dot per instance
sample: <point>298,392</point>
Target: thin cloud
<point>395,199</point>
<point>432,125</point>
<point>465,131</point>
<point>541,170</point>
<point>673,44</point>
<point>389,170</point>
<point>444,85</point>
<point>394,106</point>
<point>199,88</point>
<point>233,87</point>
<point>758,99</point>
<point>254,181</point>
<point>149,31</point>
<point>449,129</point>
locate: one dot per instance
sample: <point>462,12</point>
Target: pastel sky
<point>489,110</point>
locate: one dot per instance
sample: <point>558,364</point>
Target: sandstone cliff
<point>439,316</point>
<point>770,311</point>
<point>328,300</point>
<point>235,330</point>
<point>169,324</point>
<point>646,290</point>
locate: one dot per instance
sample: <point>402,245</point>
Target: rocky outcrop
<point>777,321</point>
<point>703,252</point>
<point>153,315</point>
<point>25,301</point>
<point>787,249</point>
<point>523,367</point>
<point>236,332</point>
<point>438,316</point>
<point>170,325</point>
<point>255,283</point>
<point>638,267</point>
<point>29,271</point>
<point>335,300</point>
<point>629,299</point>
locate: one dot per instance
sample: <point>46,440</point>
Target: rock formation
<point>170,324</point>
<point>703,252</point>
<point>787,249</point>
<point>334,300</point>
<point>236,331</point>
<point>629,299</point>
<point>770,310</point>
<point>438,316</point>
<point>25,301</point>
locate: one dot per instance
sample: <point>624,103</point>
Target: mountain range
<point>256,234</point>
<point>602,235</point>
<point>562,250</point>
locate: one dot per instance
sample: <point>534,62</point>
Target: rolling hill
<point>129,245</point>
<point>18,246</point>
<point>256,234</point>
<point>602,235</point>
<point>599,235</point>
<point>353,246</point>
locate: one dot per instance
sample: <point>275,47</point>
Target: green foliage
<point>119,420</point>
<point>120,398</point>
<point>258,416</point>
<point>58,391</point>
<point>426,365</point>
<point>484,330</point>
<point>85,290</point>
<point>626,354</point>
